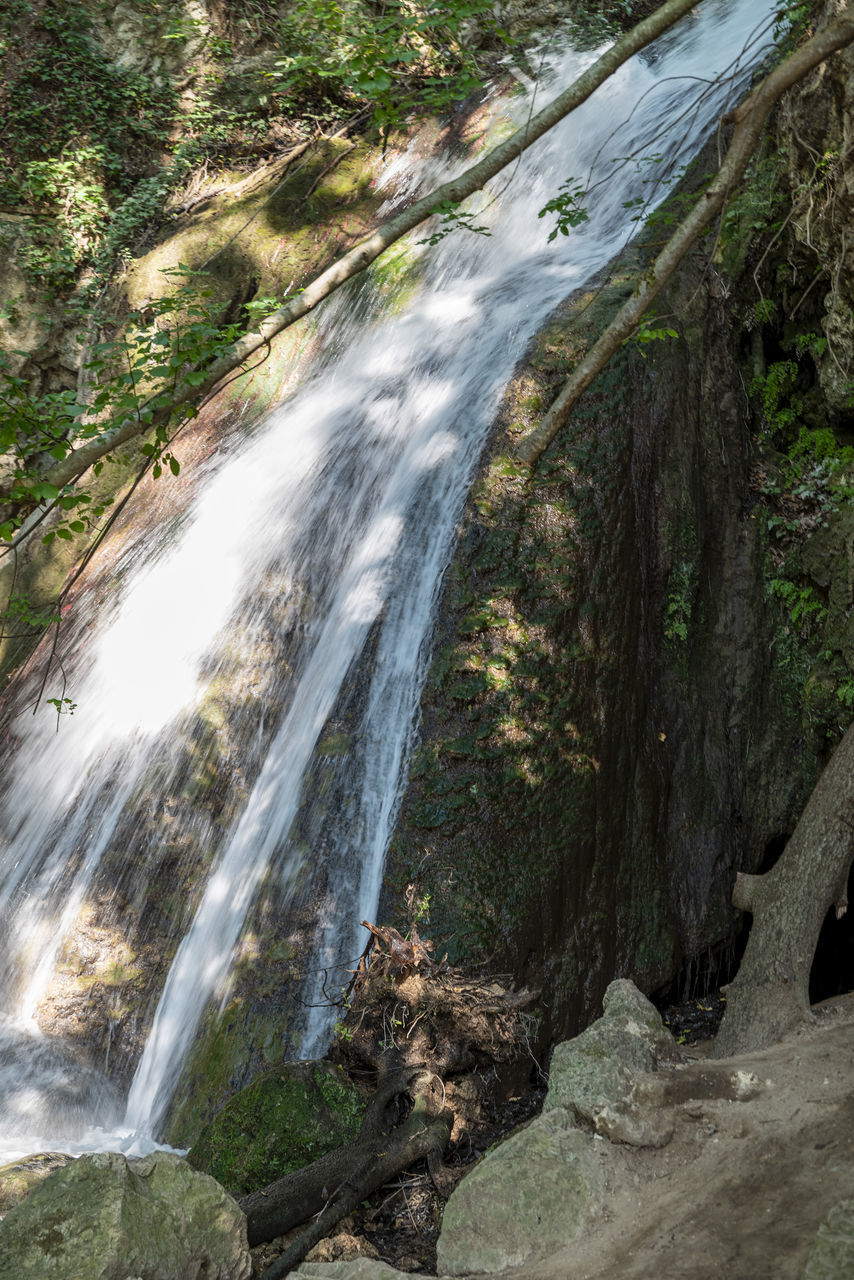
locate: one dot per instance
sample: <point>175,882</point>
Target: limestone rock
<point>108,1218</point>
<point>526,1199</point>
<point>358,1269</point>
<point>280,1122</point>
<point>594,1076</point>
<point>832,1255</point>
<point>18,1178</point>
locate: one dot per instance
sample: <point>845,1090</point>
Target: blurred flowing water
<point>322,538</point>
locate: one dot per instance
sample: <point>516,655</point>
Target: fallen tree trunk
<point>333,1186</point>
<point>770,995</point>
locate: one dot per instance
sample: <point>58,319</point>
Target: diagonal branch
<point>749,119</point>
<point>357,259</point>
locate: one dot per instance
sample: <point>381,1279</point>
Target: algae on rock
<point>279,1123</point>
<point>104,1217</point>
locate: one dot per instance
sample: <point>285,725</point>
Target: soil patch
<point>743,1186</point>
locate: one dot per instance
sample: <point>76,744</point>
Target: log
<point>324,1192</point>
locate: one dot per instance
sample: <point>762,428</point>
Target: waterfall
<point>318,542</point>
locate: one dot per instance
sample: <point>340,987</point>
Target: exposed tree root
<point>438,1043</point>
<point>379,1154</point>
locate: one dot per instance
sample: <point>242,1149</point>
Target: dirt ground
<point>742,1187</point>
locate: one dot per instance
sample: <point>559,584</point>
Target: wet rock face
<point>603,737</point>
<point>106,1218</point>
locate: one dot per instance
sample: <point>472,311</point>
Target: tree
<point>38,481</point>
<point>43,476</point>
<point>770,995</point>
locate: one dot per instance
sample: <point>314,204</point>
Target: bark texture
<point>334,1185</point>
<point>770,995</point>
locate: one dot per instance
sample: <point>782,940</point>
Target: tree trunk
<point>334,1185</point>
<point>770,995</point>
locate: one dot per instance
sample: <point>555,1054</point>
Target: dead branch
<point>323,1193</point>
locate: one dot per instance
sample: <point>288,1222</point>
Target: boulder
<point>18,1178</point>
<point>527,1198</point>
<point>280,1122</point>
<point>597,1077</point>
<point>105,1217</point>
<point>832,1255</point>
<point>358,1269</point>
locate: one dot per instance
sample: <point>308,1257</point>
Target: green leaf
<point>44,492</point>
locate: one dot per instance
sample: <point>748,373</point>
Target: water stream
<point>326,533</point>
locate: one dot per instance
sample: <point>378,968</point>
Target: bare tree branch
<point>749,119</point>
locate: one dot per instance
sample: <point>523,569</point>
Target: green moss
<point>281,1122</point>
<point>207,1080</point>
<point>396,275</point>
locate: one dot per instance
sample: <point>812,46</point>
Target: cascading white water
<point>351,491</point>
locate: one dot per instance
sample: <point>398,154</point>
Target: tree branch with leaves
<point>37,479</point>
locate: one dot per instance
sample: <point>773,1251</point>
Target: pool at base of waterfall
<point>50,1094</point>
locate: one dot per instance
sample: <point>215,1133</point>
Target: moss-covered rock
<point>281,1122</point>
<point>107,1218</point>
<point>18,1178</point>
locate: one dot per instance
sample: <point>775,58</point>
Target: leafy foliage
<point>402,57</point>
<point>79,133</point>
<point>132,378</point>
<point>450,219</point>
<point>568,207</point>
<point>646,332</point>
